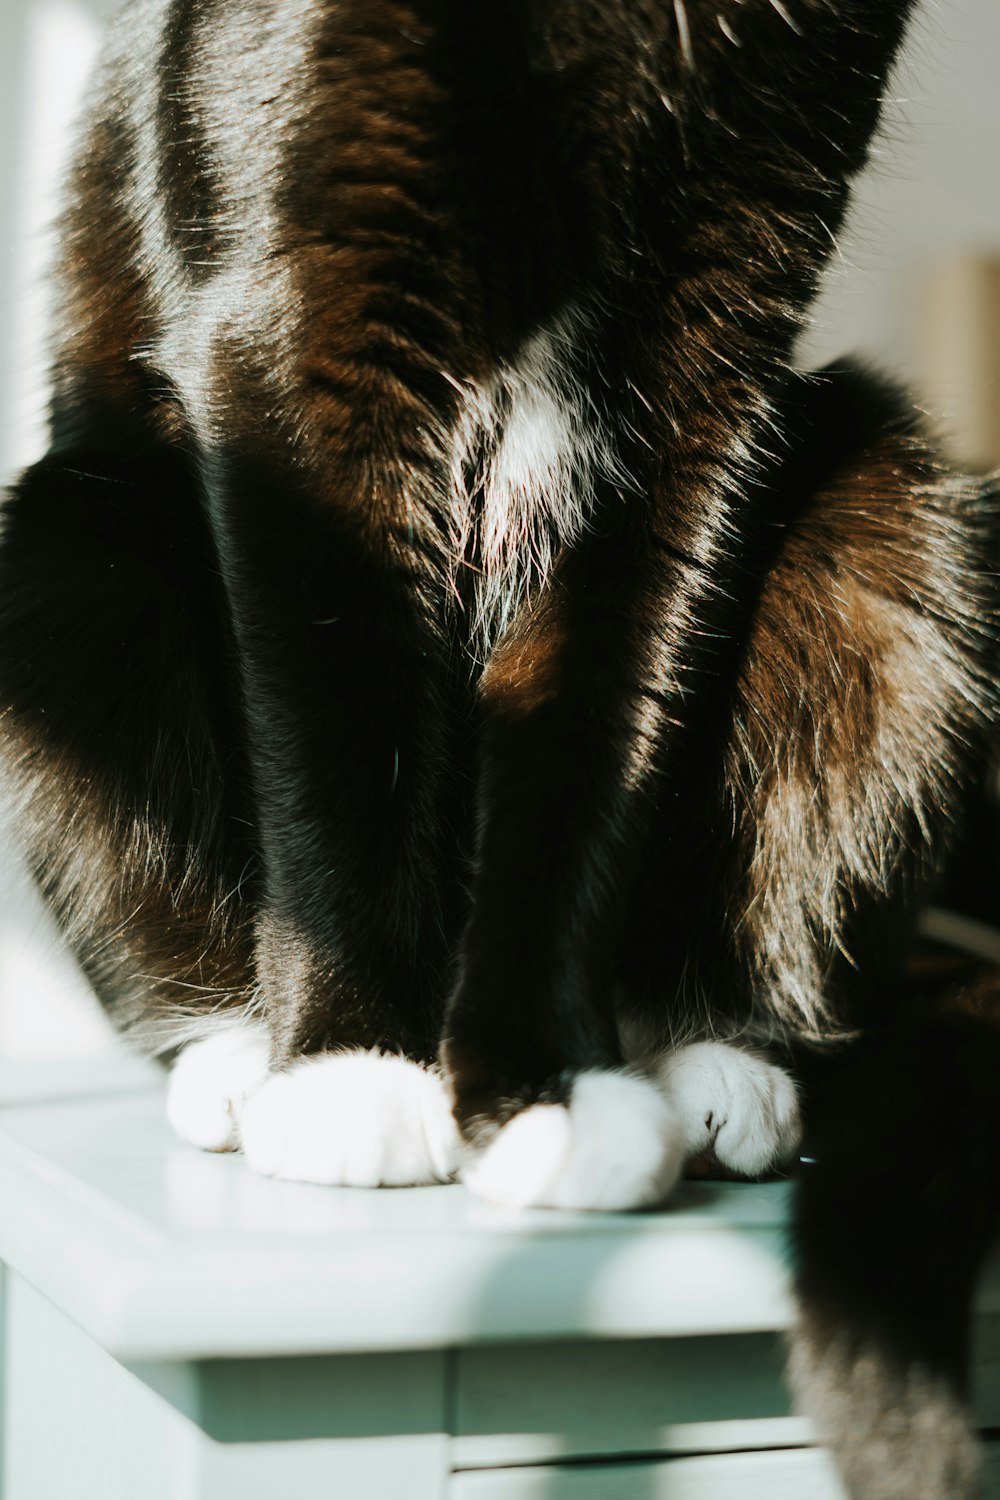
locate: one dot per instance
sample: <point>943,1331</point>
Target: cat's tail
<point>893,1219</point>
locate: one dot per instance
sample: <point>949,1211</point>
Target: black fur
<point>894,1216</point>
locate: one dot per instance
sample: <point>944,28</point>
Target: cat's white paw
<point>353,1119</point>
<point>617,1144</point>
<point>743,1109</point>
<point>210,1083</point>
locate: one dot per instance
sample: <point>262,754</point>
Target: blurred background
<point>914,286</point>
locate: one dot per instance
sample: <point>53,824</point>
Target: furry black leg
<point>892,1223</point>
<point>784,886</point>
<point>350,724</point>
<point>122,752</point>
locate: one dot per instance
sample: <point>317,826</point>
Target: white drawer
<point>795,1474</point>
<point>803,1474</point>
<point>642,1398</point>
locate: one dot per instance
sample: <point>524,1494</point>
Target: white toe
<point>354,1119</point>
<point>617,1144</point>
<point>210,1083</point>
<point>745,1109</point>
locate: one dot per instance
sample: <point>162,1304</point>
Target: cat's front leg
<point>348,722</point>
<point>595,708</point>
<point>572,718</point>
<point>593,702</point>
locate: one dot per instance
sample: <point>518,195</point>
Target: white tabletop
<point>164,1252</point>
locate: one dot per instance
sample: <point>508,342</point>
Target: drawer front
<point>805,1474</point>
<point>551,1404</point>
<point>637,1399</point>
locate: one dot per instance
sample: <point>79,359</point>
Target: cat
<point>469,702</point>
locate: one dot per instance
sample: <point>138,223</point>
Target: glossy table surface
<point>161,1251</point>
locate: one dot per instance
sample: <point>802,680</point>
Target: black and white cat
<point>459,685</point>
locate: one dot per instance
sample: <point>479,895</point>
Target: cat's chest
<point>527,457</point>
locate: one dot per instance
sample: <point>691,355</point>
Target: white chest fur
<point>537,442</point>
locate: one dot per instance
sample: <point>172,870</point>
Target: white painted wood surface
<point>178,1329</point>
<point>175,1328</point>
<point>178,1254</point>
<point>804,1475</point>
<point>602,1399</point>
<point>80,1426</point>
<point>182,1254</point>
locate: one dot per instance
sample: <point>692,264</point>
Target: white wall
<point>934,196</point>
<point>934,190</point>
<point>46,49</point>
